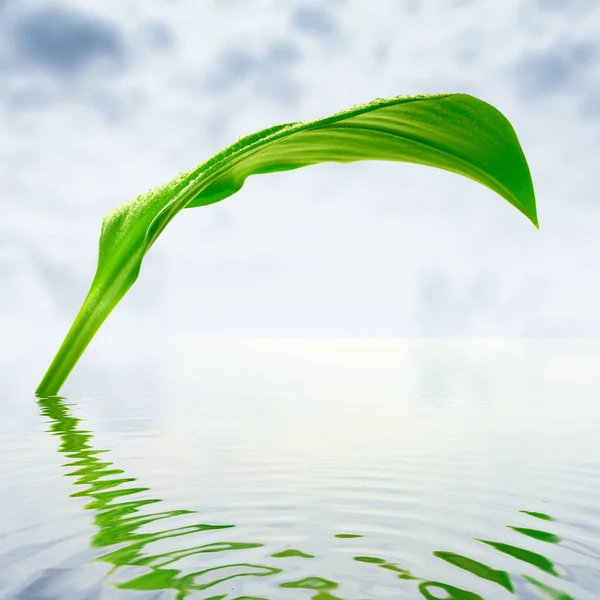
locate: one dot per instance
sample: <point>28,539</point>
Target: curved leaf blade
<point>454,132</point>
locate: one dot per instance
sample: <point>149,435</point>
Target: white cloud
<point>366,249</point>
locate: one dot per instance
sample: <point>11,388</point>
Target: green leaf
<point>538,515</point>
<point>454,132</point>
<point>483,571</point>
<point>537,534</point>
<point>548,592</point>
<point>533,558</point>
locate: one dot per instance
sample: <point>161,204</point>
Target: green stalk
<point>87,322</point>
<point>97,305</point>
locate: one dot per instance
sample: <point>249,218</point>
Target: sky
<point>100,101</point>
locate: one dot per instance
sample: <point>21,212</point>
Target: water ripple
<point>362,531</point>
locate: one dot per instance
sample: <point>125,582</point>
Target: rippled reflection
<point>122,511</point>
<point>119,519</point>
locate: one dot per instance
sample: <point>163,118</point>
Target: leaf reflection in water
<point>120,516</point>
<point>119,521</point>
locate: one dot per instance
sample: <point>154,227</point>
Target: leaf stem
<point>88,321</point>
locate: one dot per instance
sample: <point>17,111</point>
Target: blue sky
<point>103,100</point>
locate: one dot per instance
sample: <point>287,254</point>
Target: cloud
<point>412,7</point>
<point>64,42</point>
<point>232,67</point>
<point>423,253</point>
<point>571,7</point>
<point>270,70</point>
<point>468,46</point>
<point>158,35</point>
<point>439,297</point>
<point>553,70</point>
<point>313,21</point>
<point>551,4</point>
<point>58,57</point>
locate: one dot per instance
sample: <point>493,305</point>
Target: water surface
<point>295,469</point>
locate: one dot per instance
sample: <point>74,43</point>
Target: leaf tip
<point>533,216</point>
